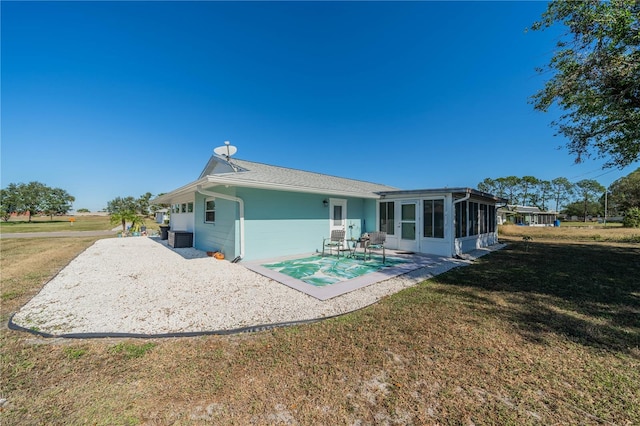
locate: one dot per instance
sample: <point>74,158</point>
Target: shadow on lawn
<point>589,293</point>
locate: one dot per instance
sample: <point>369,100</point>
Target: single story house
<point>161,215</point>
<point>526,215</point>
<point>250,210</point>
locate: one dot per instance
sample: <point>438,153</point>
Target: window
<point>433,211</point>
<point>189,207</point>
<point>474,225</point>
<point>387,223</point>
<point>210,211</point>
<point>492,218</point>
<point>483,218</point>
<point>337,215</point>
<point>183,208</point>
<point>461,219</point>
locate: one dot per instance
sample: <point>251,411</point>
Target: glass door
<point>408,226</point>
<point>337,214</point>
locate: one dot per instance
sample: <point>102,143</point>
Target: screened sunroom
<point>444,222</point>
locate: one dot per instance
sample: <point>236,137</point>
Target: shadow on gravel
<point>588,293</point>
<point>186,253</point>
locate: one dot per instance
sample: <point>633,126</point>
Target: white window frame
<point>432,217</point>
<point>206,202</point>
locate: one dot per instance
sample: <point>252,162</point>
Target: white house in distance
<point>250,210</point>
<point>526,215</point>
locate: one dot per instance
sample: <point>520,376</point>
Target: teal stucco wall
<point>223,235</point>
<point>277,223</point>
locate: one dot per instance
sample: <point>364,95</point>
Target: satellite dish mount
<point>225,151</point>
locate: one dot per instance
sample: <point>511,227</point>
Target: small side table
<point>353,246</point>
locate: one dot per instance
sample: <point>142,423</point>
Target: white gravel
<point>142,286</point>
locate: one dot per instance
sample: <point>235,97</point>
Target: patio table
<point>352,244</point>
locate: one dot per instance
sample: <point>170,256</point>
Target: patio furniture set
<point>368,242</point>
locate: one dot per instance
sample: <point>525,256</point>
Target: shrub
<point>632,218</point>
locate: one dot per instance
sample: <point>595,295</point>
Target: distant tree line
<point>531,191</point>
<point>33,198</point>
<point>583,198</point>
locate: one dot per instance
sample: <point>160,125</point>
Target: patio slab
<point>413,261</point>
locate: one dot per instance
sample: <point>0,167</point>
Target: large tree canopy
<point>595,78</point>
<point>625,192</point>
<point>32,198</point>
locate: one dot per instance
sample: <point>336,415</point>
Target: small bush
<point>632,218</point>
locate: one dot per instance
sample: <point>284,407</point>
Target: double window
<point>210,211</point>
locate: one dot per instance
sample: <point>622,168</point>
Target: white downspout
<point>240,202</point>
<point>453,240</point>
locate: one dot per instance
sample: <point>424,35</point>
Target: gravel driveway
<point>141,286</point>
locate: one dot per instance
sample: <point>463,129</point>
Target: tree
<point>511,188</point>
<point>9,201</point>
<point>122,210</point>
<point>632,218</point>
<point>595,78</point>
<point>493,186</point>
<point>544,192</point>
<point>625,192</point>
<point>487,185</point>
<point>56,201</point>
<point>577,209</point>
<point>143,203</point>
<point>588,190</point>
<point>32,196</point>
<point>561,190</point>
<point>526,184</point>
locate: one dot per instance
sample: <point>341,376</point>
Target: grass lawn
<point>592,224</point>
<point>63,223</point>
<point>58,223</point>
<point>614,234</point>
<point>544,332</point>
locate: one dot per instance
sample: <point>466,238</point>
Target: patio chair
<point>376,242</point>
<point>336,240</point>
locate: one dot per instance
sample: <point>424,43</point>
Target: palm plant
<point>124,216</point>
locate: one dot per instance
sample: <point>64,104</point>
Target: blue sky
<point>107,99</point>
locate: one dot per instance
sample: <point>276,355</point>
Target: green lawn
<point>56,224</point>
<point>64,223</point>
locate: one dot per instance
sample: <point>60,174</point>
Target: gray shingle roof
<point>251,174</point>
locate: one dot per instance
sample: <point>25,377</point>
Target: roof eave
<point>220,180</point>
<point>180,192</point>
<point>461,191</point>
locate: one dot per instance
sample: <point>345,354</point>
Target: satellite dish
<point>226,150</point>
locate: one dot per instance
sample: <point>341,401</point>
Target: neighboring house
<point>161,215</point>
<point>253,211</point>
<point>526,215</point>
